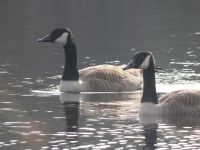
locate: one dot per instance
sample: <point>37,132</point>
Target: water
<point>34,115</point>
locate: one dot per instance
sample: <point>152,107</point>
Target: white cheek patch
<point>62,39</point>
<point>145,63</point>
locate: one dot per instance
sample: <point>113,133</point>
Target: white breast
<point>148,108</point>
<point>70,86</point>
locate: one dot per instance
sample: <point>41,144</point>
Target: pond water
<point>35,115</point>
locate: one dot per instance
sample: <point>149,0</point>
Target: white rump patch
<point>70,86</point>
<point>145,63</point>
<point>62,39</point>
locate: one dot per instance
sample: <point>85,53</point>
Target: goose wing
<point>184,102</point>
<point>110,78</point>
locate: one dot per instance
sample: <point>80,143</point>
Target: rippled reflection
<point>150,134</point>
<point>71,104</point>
<point>171,132</point>
<point>92,121</point>
<point>89,124</point>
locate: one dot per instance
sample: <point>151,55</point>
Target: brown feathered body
<point>109,78</point>
<point>180,102</point>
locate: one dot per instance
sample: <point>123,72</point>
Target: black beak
<point>45,39</point>
<point>131,64</point>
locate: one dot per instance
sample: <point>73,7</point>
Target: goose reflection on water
<point>106,117</point>
<point>86,115</point>
<point>71,103</point>
<point>156,130</point>
<point>150,134</point>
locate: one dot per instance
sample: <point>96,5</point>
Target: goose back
<point>180,102</point>
<point>110,78</point>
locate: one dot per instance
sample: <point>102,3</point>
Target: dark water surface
<point>34,115</point>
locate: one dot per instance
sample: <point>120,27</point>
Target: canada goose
<point>101,78</point>
<point>180,102</point>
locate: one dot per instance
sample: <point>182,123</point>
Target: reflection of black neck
<point>149,91</point>
<point>70,68</point>
<point>71,109</point>
<point>150,134</point>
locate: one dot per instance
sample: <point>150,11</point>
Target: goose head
<point>58,35</point>
<point>141,60</point>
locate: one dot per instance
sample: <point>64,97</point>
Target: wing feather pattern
<point>181,102</point>
<point>110,78</point>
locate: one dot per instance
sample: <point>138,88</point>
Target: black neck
<point>149,91</point>
<point>70,68</point>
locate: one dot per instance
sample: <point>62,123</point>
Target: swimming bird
<point>100,78</point>
<point>179,102</point>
